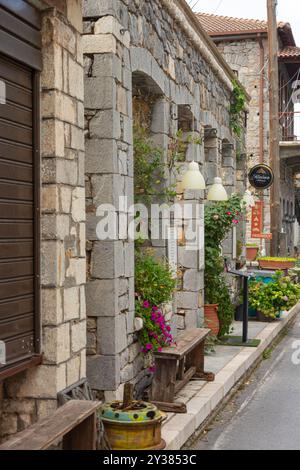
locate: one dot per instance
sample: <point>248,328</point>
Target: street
<point>265,413</point>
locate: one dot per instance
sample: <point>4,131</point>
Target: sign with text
<point>261,177</point>
<point>257,222</point>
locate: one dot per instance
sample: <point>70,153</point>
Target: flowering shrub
<point>219,219</point>
<point>156,334</point>
<point>270,299</point>
<point>154,285</point>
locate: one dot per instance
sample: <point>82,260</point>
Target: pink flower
<point>159,349</point>
<point>168,328</point>
<point>229,213</point>
<point>146,304</point>
<point>149,347</point>
<point>235,221</point>
<point>152,369</point>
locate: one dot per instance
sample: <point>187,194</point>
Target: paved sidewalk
<point>229,364</point>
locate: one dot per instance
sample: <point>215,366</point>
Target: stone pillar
<point>31,395</point>
<point>112,349</point>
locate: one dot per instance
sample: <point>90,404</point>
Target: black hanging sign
<point>261,176</point>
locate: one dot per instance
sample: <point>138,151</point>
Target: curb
<point>180,428</point>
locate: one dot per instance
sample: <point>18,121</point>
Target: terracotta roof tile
<point>290,52</point>
<point>221,25</point>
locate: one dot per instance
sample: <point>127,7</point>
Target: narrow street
<point>265,414</point>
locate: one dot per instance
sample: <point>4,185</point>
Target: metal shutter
<point>19,182</point>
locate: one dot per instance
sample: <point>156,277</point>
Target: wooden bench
<point>176,366</point>
<point>75,423</point>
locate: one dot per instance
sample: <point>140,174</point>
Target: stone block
<point>99,44</point>
<point>77,270</point>
<point>107,189</point>
<point>52,312</point>
<point>52,138</point>
<point>51,76</point>
<point>160,117</point>
<point>102,298</point>
<point>78,336</point>
<point>129,259</point>
<point>66,172</point>
<point>107,260</point>
<point>77,138</point>
<point>73,370</point>
<point>78,205</point>
<point>191,319</point>
<point>50,198</point>
<point>107,65</point>
<point>55,227</point>
<point>187,300</point>
<point>187,258</point>
<point>65,199</point>
<point>71,304</point>
<point>56,344</point>
<point>101,156</point>
<point>110,25</point>
<point>45,408</point>
<point>111,335</point>
<point>52,263</point>
<point>74,14</point>
<point>105,125</point>
<point>103,372</point>
<point>192,280</point>
<point>100,93</point>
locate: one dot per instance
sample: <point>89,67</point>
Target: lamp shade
<point>217,192</point>
<point>193,179</point>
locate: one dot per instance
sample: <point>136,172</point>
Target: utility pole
<point>274,126</point>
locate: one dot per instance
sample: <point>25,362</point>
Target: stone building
<point>42,226</point>
<point>244,45</point>
<point>67,296</point>
<point>134,51</point>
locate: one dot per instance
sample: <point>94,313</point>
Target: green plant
<point>219,219</point>
<point>238,105</point>
<point>270,299</point>
<point>154,282</point>
<point>268,258</point>
<point>252,245</point>
<point>154,286</point>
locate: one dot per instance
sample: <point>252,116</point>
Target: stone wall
<point>32,395</point>
<point>243,57</point>
<point>144,41</point>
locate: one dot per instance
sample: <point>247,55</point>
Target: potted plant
<point>276,264</point>
<point>252,251</point>
<point>220,217</point>
<point>271,299</point>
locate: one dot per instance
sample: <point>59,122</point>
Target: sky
<point>288,10</point>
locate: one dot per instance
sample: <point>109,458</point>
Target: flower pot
<point>252,252</point>
<point>211,318</point>
<point>276,265</point>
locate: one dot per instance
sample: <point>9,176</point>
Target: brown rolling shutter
<point>19,182</point>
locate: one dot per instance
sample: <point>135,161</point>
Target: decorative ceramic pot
<point>211,318</point>
<point>276,265</point>
<point>252,252</point>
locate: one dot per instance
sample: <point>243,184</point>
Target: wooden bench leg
<point>83,436</point>
<point>196,359</point>
<point>164,382</point>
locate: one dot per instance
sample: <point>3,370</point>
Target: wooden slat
<point>17,114</point>
<point>19,306</point>
<point>15,132</point>
<point>186,342</point>
<point>16,268</point>
<point>19,348</point>
<point>11,210</point>
<point>23,10</point>
<point>16,249</point>
<point>11,152</point>
<point>19,50</point>
<point>60,423</point>
<point>16,326</point>
<point>20,287</point>
<point>18,95</point>
<point>16,230</point>
<point>24,31</point>
<point>15,73</point>
<point>16,191</point>
<point>187,377</point>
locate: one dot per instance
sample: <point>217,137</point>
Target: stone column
<point>112,349</point>
<point>33,394</point>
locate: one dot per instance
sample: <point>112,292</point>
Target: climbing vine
<point>238,105</point>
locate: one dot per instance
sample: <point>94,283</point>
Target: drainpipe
<point>261,101</point>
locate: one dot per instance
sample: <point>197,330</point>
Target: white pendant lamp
<point>217,192</point>
<point>193,179</point>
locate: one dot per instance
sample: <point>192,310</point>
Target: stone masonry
<point>157,45</point>
<point>32,395</point>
